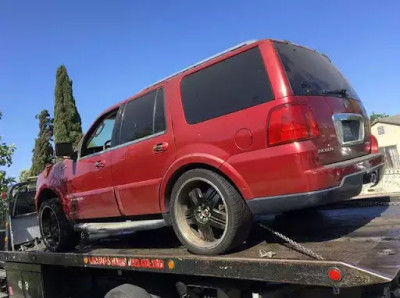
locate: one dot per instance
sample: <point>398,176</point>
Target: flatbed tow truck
<point>348,249</point>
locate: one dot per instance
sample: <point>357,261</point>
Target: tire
<point>53,221</point>
<point>128,291</point>
<point>208,214</point>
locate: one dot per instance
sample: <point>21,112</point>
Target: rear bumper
<point>364,169</point>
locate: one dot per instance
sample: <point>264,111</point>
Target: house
<point>387,131</point>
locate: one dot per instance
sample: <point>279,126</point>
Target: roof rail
<point>205,60</point>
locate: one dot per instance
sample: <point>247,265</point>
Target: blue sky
<point>113,49</point>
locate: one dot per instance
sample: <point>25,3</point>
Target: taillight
<point>291,123</point>
<point>374,145</point>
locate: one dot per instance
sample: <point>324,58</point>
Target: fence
<point>392,158</point>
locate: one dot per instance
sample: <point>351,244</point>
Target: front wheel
<point>57,232</point>
<point>209,215</point>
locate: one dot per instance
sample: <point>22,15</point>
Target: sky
<point>113,49</point>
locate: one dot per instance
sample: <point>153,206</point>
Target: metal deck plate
<point>360,238</point>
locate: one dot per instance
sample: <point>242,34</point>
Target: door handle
<point>160,147</point>
<point>100,164</point>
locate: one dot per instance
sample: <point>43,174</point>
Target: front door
<point>91,192</point>
<point>146,150</point>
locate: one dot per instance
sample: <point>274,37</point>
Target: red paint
<point>132,179</point>
<point>243,139</point>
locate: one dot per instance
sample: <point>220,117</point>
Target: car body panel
<point>90,186</point>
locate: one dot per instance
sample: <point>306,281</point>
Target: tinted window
<point>311,73</point>
<point>159,116</point>
<point>228,86</point>
<point>143,117</point>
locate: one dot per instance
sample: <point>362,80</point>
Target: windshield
<point>311,73</point>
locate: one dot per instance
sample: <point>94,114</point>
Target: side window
<point>233,84</point>
<point>143,117</point>
<point>100,135</point>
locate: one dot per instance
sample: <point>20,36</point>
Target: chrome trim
<point>125,144</point>
<point>106,229</point>
<point>337,121</point>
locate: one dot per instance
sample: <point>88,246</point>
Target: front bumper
<point>350,186</point>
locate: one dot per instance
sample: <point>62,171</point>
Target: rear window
<point>311,73</point>
<point>228,86</point>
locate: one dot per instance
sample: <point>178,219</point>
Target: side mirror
<point>64,149</point>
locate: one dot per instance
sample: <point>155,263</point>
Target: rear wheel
<point>208,214</point>
<point>56,230</point>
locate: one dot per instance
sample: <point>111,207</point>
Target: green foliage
<point>24,175</point>
<point>6,153</point>
<point>375,116</point>
<point>43,151</point>
<point>67,121</point>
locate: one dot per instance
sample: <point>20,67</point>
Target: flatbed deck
<point>360,238</point>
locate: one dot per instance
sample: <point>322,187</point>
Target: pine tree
<point>24,175</point>
<point>67,121</point>
<point>43,151</point>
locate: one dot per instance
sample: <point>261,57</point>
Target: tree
<point>24,175</point>
<point>375,116</point>
<point>67,121</point>
<point>6,153</point>
<point>43,151</point>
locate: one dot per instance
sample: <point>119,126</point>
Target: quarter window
<point>233,84</point>
<point>143,117</point>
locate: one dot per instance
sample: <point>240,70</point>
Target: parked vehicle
<point>263,127</point>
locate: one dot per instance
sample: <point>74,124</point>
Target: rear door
<point>342,120</point>
<point>146,150</point>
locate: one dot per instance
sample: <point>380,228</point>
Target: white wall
<point>390,137</point>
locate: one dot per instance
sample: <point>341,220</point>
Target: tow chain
<point>297,246</point>
<point>294,244</point>
<point>361,203</point>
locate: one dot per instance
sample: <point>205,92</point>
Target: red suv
<point>266,126</point>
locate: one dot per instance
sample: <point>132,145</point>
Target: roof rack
<point>205,60</point>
